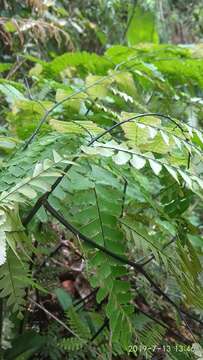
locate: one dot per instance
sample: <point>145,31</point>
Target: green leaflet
<point>11,230</point>
<point>4,67</point>
<point>77,127</point>
<point>142,27</point>
<point>13,275</point>
<point>11,93</point>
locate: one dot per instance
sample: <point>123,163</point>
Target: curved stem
<point>119,258</point>
<point>134,118</point>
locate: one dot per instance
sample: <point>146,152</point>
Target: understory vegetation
<point>101,187</point>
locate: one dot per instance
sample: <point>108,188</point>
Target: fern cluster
<point>117,170</point>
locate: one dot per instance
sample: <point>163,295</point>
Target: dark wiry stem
<point>83,300</point>
<point>105,323</point>
<point>124,197</point>
<point>119,258</point>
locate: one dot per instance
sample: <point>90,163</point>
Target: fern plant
<point>120,177</point>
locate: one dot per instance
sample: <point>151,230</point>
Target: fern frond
<point>25,189</point>
<point>81,330</point>
<point>72,344</point>
<point>21,166</point>
<point>13,280</point>
<point>77,325</point>
<point>149,334</point>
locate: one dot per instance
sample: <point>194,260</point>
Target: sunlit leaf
<point>156,167</point>
<point>138,162</point>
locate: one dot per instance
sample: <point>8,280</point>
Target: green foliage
<point>131,189</point>
<point>13,279</point>
<point>149,333</point>
<point>142,28</point>
<point>24,346</point>
<point>82,324</point>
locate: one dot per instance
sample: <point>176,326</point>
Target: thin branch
<point>15,68</point>
<point>106,322</point>
<point>124,197</point>
<point>35,208</point>
<point>60,322</point>
<point>53,317</point>
<point>90,107</point>
<point>83,300</point>
<point>167,117</point>
<point>55,106</point>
